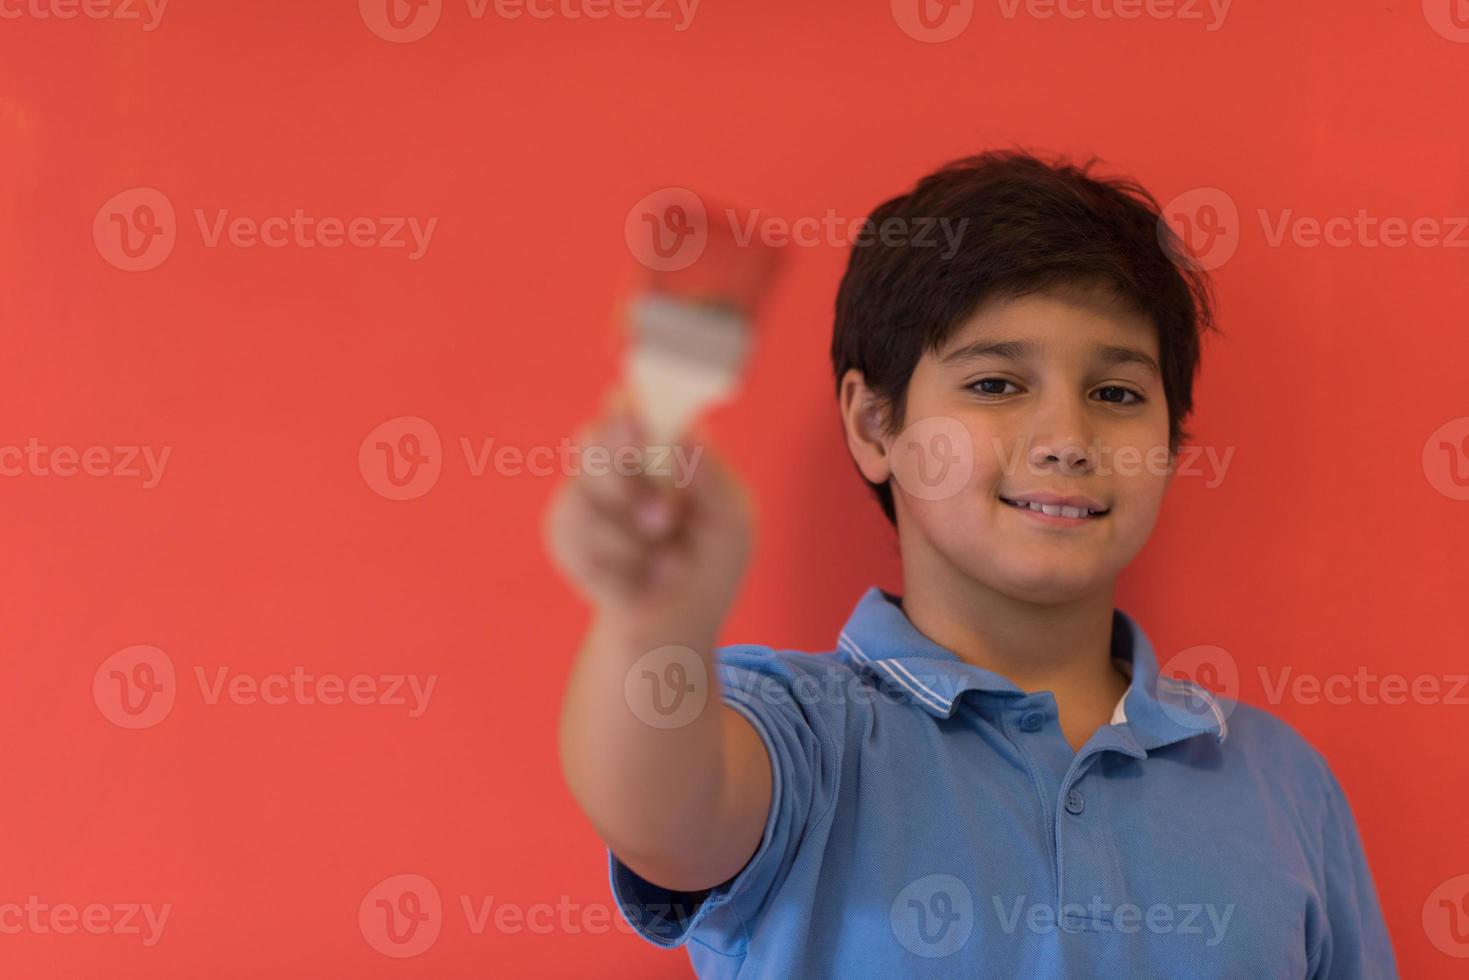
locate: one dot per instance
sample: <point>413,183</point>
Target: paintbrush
<point>691,312</point>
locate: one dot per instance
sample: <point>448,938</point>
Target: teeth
<point>1054,510</point>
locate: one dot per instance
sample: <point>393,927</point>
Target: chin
<point>1044,583</point>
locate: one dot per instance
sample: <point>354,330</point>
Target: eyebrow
<point>1020,350</point>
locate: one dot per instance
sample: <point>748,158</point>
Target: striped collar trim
<point>1156,710</point>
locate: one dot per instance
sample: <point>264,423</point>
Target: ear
<point>862,416</point>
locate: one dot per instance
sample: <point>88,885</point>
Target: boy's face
<point>1058,412</point>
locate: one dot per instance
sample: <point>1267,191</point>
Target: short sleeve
<point>1354,943</point>
<point>762,684</point>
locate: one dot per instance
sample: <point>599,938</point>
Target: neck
<point>1057,647</point>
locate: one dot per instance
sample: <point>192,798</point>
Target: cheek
<point>934,461</point>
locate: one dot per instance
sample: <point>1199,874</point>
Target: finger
<point>612,463</point>
<point>614,493</point>
<point>610,540</point>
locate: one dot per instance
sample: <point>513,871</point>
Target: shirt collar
<point>1155,711</point>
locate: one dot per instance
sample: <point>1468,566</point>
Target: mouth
<point>1058,514</point>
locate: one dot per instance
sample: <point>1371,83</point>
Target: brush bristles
<point>683,358</point>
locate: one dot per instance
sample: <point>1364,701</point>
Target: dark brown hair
<point>1031,226</point>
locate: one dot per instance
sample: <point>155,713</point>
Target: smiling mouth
<point>1052,510</point>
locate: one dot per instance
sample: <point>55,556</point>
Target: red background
<point>1325,549</point>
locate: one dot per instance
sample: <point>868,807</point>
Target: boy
<point>988,776</point>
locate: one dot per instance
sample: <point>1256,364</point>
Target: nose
<point>1060,438</point>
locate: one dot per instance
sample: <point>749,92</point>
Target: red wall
<point>1334,543</point>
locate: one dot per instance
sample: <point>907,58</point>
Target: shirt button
<point>1075,803</point>
<point>1032,721</point>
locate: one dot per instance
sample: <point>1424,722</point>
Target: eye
<point>990,381</point>
<point>1125,391</point>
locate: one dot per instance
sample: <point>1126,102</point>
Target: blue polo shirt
<point>929,819</point>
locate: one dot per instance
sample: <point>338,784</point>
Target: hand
<point>649,554</point>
